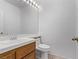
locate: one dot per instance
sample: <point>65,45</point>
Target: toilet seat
<point>44,46</point>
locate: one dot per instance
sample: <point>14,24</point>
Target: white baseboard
<point>55,56</point>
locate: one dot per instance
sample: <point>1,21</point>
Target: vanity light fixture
<point>32,3</point>
<point>24,0</point>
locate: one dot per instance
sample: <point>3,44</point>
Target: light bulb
<point>31,0</point>
<point>36,5</point>
<point>24,0</point>
<point>28,2</point>
<point>34,2</point>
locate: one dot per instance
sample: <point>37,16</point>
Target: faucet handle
<point>1,33</point>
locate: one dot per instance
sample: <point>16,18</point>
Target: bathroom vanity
<point>19,50</point>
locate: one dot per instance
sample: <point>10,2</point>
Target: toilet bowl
<point>43,48</point>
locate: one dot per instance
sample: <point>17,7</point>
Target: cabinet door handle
<point>75,39</point>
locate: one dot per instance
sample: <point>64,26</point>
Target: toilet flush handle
<point>40,38</point>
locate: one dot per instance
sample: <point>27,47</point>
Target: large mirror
<point>17,17</point>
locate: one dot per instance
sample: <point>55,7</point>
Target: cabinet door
<point>30,56</point>
<point>25,50</point>
<point>9,56</point>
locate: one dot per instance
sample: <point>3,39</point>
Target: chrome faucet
<point>1,33</point>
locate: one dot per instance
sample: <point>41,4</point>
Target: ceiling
<point>18,3</point>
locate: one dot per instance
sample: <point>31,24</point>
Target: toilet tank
<point>38,40</point>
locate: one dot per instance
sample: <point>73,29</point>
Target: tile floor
<point>54,57</point>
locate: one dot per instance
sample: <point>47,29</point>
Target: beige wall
<point>58,24</point>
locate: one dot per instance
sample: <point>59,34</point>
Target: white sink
<point>9,41</point>
<point>5,42</point>
<point>7,37</point>
<point>3,38</point>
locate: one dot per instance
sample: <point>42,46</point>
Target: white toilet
<point>43,48</point>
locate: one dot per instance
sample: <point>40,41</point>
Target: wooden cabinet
<point>30,56</point>
<point>24,52</point>
<point>8,55</point>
